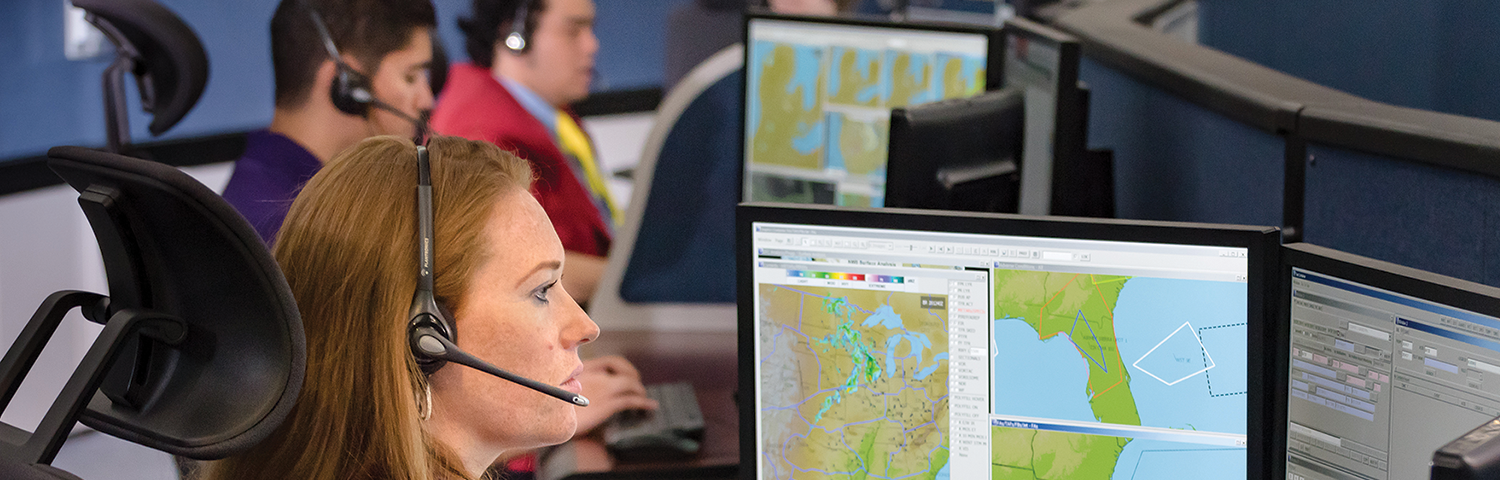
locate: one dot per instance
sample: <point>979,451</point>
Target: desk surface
<point>707,360</point>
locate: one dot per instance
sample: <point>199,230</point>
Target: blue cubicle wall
<point>1176,160</point>
<point>1428,54</point>
<point>1433,218</point>
<point>47,100</point>
<point>1198,134</point>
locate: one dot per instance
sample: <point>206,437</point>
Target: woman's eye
<point>541,293</point>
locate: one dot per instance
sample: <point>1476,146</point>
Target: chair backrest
<point>695,31</point>
<point>672,264</point>
<point>203,351</point>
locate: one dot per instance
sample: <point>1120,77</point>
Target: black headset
<point>518,40</point>
<point>350,89</point>
<point>427,316</point>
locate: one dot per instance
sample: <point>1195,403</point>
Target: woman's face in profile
<point>516,316</point>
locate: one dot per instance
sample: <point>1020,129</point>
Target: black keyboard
<point>673,431</point>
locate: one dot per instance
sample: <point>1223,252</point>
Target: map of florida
<point>853,384</point>
<point>1077,308</point>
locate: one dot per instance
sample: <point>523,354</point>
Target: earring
<point>424,404</point>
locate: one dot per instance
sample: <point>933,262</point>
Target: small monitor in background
<point>819,92</point>
<point>889,343</point>
<point>1055,176</point>
<point>1386,365</point>
<point>972,12</point>
<point>958,154</point>
<point>1036,9</point>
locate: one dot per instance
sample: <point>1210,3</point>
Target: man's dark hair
<point>486,17</point>
<point>367,30</point>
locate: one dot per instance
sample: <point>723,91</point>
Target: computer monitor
<point>894,343</point>
<point>973,12</point>
<point>957,154</point>
<point>1385,365</point>
<point>819,91</point>
<point>1043,63</point>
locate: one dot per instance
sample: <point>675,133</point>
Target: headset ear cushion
<point>347,90</point>
<point>439,321</point>
<point>445,317</point>
<point>428,364</point>
<point>517,39</point>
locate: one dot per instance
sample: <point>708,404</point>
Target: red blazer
<point>477,107</point>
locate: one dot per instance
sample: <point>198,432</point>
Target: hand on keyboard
<point>612,385</point>
<point>672,431</point>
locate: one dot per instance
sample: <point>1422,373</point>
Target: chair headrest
<point>173,65</point>
<point>173,246</point>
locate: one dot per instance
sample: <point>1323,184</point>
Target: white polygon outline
<point>1191,331</point>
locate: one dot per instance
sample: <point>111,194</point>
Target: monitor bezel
<point>994,55</point>
<point>1428,286</point>
<point>1263,258</point>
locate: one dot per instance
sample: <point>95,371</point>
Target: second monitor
<point>1386,364</point>
<point>957,154</point>
<point>819,92</point>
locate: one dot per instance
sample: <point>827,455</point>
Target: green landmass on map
<point>784,114</point>
<point>1024,454</point>
<point>832,405</point>
<point>954,83</point>
<point>863,144</point>
<point>851,81</point>
<point>1080,307</point>
<point>855,200</point>
<point>905,85</point>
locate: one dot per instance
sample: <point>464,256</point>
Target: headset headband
<point>425,312</point>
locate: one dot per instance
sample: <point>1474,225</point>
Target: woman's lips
<point>572,384</point>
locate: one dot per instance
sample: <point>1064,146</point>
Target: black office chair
<point>672,262</point>
<point>202,353</point>
<point>163,54</point>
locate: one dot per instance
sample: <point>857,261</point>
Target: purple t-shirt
<point>266,178</point>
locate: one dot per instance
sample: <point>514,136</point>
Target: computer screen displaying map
<point>1384,368</point>
<point>819,96</point>
<point>891,353</point>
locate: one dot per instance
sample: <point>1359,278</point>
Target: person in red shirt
<point>530,59</point>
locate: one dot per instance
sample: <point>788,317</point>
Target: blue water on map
<point>1047,379</point>
<point>1149,310</point>
<point>1032,378</point>
<point>884,316</point>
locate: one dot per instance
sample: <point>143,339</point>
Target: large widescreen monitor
<point>819,93</point>
<point>893,343</point>
<point>1386,364</point>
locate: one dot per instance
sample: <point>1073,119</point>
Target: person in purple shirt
<point>386,41</point>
